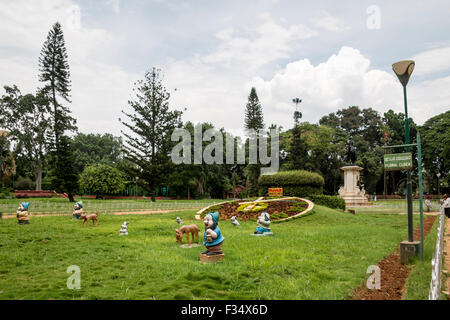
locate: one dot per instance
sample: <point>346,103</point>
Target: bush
<point>333,202</point>
<point>6,194</point>
<point>24,184</point>
<point>102,179</point>
<point>296,183</point>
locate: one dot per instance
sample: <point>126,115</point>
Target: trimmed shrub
<point>24,183</point>
<point>296,183</point>
<point>333,202</point>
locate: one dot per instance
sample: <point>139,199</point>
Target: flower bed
<point>278,209</point>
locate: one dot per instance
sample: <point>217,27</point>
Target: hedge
<point>296,183</point>
<point>333,202</point>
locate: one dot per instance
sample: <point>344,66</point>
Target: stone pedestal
<point>210,259</point>
<point>350,192</point>
<point>408,250</point>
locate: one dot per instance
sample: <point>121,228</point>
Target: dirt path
<point>393,274</point>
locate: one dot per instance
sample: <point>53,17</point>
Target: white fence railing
<point>436,263</point>
<point>105,207</point>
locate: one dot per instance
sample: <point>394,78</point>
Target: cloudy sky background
<point>330,54</point>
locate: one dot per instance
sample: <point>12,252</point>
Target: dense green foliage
<point>298,183</point>
<point>91,148</point>
<point>101,179</point>
<point>333,202</point>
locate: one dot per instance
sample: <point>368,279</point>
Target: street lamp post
<point>403,70</point>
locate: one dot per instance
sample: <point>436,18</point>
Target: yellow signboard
<point>275,192</point>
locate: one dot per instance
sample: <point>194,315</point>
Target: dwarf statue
<point>77,210</point>
<point>263,224</point>
<point>213,238</point>
<point>23,217</point>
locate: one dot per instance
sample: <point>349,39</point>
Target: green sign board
<point>398,161</point>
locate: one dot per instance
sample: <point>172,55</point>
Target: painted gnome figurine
<point>263,224</point>
<point>77,210</point>
<point>23,217</point>
<point>212,236</point>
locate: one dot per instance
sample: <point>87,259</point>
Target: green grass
<point>323,255</point>
<point>418,285</point>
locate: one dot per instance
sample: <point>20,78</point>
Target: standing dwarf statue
<point>77,210</point>
<point>23,217</point>
<point>263,224</point>
<point>212,236</point>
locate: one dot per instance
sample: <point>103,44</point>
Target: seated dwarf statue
<point>77,210</point>
<point>263,224</point>
<point>213,238</point>
<point>23,217</point>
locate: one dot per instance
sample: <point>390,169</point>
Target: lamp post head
<point>438,175</point>
<point>403,70</point>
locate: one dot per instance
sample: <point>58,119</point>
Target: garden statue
<point>124,229</point>
<point>179,221</point>
<point>213,238</point>
<point>77,210</point>
<point>234,221</point>
<point>263,228</point>
<point>23,217</point>
<point>351,152</point>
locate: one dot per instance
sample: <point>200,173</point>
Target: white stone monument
<point>350,192</point>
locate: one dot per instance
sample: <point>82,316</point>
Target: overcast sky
<point>331,54</point>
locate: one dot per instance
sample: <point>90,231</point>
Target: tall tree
<point>66,179</point>
<point>148,143</point>
<point>27,118</point>
<point>254,120</point>
<point>297,155</point>
<point>55,75</point>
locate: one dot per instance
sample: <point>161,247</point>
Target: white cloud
<point>432,61</point>
<point>343,80</point>
<point>330,23</point>
<point>257,46</point>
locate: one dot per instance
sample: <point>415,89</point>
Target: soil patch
<point>393,274</point>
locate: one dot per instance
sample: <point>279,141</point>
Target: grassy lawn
<point>324,255</point>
